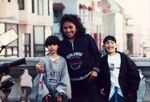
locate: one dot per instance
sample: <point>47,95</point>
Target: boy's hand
<point>40,68</point>
<point>59,99</point>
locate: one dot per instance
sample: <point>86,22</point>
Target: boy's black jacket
<point>128,78</point>
<point>82,57</point>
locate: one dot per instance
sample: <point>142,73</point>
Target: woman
<point>83,59</point>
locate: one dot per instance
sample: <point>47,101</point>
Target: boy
<point>56,77</point>
<point>120,77</point>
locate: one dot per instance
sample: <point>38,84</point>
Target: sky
<point>138,9</point>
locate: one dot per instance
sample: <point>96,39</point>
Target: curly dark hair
<point>75,19</point>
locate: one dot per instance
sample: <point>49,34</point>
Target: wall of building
<point>26,20</point>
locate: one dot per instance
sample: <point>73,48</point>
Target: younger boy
<point>120,77</point>
<point>55,70</point>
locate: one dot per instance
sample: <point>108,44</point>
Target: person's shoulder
<point>122,54</point>
<point>62,44</point>
<point>62,41</point>
<point>62,58</point>
<point>88,35</point>
<point>126,57</point>
<point>43,58</point>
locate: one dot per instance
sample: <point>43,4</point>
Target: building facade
<point>32,20</point>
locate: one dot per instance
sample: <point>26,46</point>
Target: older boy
<point>120,75</point>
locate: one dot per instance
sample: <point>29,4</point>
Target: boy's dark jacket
<point>82,57</point>
<point>128,78</point>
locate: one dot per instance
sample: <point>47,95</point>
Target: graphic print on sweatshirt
<point>52,79</point>
<point>75,60</point>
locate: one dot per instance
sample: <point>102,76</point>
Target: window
<point>40,7</point>
<point>58,11</point>
<point>130,43</point>
<point>27,45</point>
<point>48,7</point>
<point>39,49</point>
<point>21,4</point>
<point>32,2</point>
<point>57,15</point>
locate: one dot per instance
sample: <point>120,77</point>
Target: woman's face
<point>69,29</point>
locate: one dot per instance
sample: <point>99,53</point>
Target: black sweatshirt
<point>82,56</point>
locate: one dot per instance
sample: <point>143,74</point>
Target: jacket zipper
<point>72,46</point>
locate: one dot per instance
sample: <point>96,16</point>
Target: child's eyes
<point>110,42</point>
<point>53,45</point>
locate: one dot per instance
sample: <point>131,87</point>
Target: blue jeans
<point>116,97</point>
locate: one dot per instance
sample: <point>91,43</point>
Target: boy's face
<point>110,46</point>
<point>52,48</point>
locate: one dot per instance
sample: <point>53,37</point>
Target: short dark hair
<point>52,40</point>
<point>109,37</point>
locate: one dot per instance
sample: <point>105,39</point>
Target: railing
<point>20,92</point>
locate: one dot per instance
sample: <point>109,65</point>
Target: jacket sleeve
<point>104,77</point>
<point>95,53</point>
<point>133,76</point>
<point>64,87</point>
